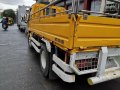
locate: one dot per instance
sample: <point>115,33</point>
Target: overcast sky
<point>13,4</point>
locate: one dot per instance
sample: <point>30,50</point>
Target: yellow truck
<point>74,40</point>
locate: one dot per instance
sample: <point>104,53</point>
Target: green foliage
<point>9,13</point>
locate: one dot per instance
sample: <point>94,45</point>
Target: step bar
<point>35,44</point>
<point>65,77</point>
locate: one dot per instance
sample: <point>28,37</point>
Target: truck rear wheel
<point>44,60</point>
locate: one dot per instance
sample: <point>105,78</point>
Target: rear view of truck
<point>77,37</point>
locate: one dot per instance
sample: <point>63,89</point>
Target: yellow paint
<point>90,82</point>
<point>77,34</point>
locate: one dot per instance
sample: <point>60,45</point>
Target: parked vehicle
<point>76,37</point>
<point>20,18</point>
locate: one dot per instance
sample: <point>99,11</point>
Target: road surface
<point>20,70</point>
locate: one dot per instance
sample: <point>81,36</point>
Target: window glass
<point>81,5</point>
<point>96,5</point>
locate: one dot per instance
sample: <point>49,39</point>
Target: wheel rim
<point>43,60</point>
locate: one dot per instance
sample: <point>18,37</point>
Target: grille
<point>87,64</point>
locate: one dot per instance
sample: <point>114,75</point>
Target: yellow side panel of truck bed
<point>97,31</point>
<point>55,29</point>
<point>71,32</point>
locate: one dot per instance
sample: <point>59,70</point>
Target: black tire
<point>44,61</point>
<point>4,26</point>
<point>47,71</point>
<point>22,30</point>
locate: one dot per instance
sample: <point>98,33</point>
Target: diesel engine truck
<point>77,37</point>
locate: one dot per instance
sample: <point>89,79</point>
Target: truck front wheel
<point>44,60</point>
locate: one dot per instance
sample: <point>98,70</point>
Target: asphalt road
<point>20,70</point>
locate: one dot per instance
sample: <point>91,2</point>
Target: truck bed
<point>64,32</point>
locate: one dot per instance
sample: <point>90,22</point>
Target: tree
<point>9,13</point>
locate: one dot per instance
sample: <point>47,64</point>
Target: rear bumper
<point>109,75</point>
<point>102,56</point>
<point>108,67</point>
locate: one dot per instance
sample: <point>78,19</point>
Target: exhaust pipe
<point>106,77</point>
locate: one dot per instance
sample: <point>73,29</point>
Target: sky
<point>13,4</point>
